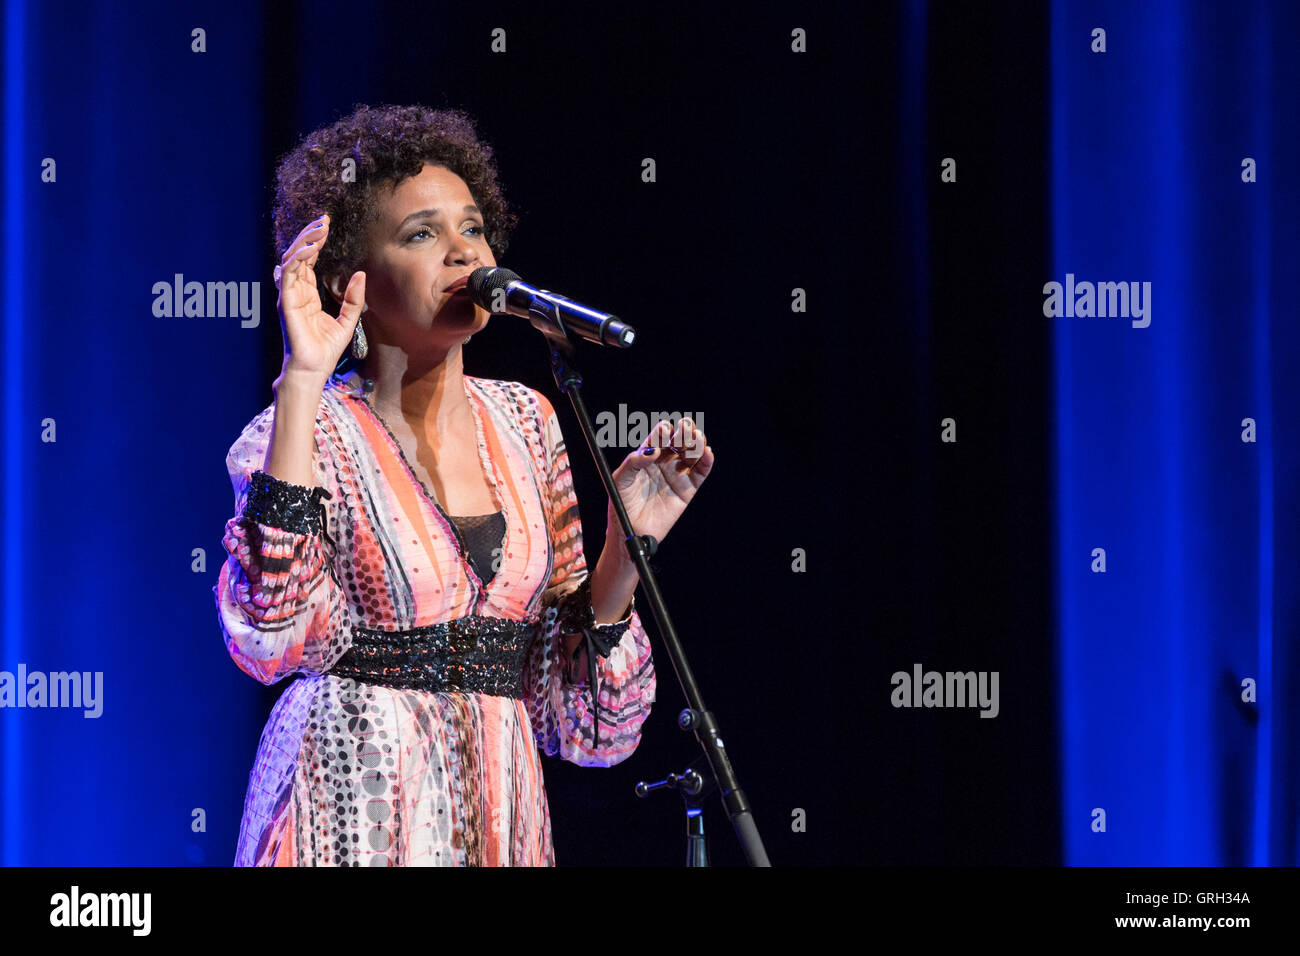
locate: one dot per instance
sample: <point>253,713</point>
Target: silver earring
<point>360,347</point>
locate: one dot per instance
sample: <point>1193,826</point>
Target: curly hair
<point>386,144</point>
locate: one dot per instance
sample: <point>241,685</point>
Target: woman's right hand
<point>314,340</point>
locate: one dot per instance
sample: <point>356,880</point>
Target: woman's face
<point>427,234</point>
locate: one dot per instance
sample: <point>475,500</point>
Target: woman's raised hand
<point>314,340</point>
<point>658,480</point>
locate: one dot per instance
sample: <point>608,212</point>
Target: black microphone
<point>501,291</point>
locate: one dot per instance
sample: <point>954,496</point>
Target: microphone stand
<point>694,790</point>
<point>695,717</point>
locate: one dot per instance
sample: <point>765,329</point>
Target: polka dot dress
<point>348,773</point>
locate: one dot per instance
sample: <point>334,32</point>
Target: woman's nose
<point>462,252</point>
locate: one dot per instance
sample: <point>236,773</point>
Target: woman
<point>407,539</point>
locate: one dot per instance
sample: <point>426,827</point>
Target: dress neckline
<point>359,389</point>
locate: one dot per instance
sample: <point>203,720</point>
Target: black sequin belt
<point>472,654</point>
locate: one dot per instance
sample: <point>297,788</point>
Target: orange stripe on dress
<point>284,853</point>
<point>496,453</point>
<point>404,490</point>
<point>494,793</point>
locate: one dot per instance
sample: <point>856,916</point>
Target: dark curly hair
<point>388,144</point>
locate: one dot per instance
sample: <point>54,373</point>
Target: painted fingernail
<point>648,451</point>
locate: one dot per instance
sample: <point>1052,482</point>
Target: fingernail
<point>648,451</point>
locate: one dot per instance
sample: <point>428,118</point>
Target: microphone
<point>501,291</point>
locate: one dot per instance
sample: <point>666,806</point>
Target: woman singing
<point>406,537</point>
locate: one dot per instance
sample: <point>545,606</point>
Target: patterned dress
<point>352,772</point>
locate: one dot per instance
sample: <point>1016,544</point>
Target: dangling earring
<point>360,347</point>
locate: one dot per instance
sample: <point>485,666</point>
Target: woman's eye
<point>424,230</point>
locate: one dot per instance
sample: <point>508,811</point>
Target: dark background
<point>778,171</point>
<point>775,171</point>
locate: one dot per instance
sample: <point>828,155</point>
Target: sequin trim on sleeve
<point>284,505</point>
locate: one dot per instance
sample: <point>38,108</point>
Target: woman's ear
<point>336,286</point>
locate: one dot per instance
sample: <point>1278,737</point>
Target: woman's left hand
<point>657,487</point>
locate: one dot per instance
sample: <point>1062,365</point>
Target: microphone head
<point>485,281</point>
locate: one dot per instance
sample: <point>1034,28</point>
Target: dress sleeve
<point>559,698</point>
<point>280,605</point>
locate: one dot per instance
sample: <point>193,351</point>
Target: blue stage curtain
<point>1199,527</point>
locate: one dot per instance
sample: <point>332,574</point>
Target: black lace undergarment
<point>483,535</point>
